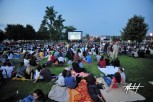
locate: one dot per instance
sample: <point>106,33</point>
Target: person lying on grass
<point>113,83</point>
<point>37,96</point>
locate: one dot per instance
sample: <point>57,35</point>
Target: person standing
<point>115,49</point>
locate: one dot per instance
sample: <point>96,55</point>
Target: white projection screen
<point>75,35</point>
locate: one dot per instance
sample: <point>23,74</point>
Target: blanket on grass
<point>23,79</point>
<point>119,94</point>
<point>80,93</point>
<point>109,70</point>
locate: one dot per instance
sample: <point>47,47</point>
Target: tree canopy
<point>52,26</point>
<point>19,32</point>
<point>2,35</point>
<point>135,30</point>
<point>15,32</point>
<point>29,33</point>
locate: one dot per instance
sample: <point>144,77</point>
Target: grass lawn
<point>137,70</point>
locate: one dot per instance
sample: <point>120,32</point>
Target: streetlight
<point>151,34</point>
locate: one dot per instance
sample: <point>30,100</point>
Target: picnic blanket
<point>80,93</point>
<point>109,70</point>
<point>119,94</point>
<point>22,78</point>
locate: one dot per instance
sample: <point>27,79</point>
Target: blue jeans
<point>108,81</point>
<point>28,99</point>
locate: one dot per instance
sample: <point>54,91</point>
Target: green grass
<point>137,70</point>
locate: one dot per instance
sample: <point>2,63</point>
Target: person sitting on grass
<point>107,60</point>
<point>70,54</point>
<point>59,91</point>
<point>147,52</point>
<point>26,61</point>
<point>61,60</point>
<point>123,77</point>
<point>88,58</point>
<point>37,73</point>
<point>41,54</point>
<point>20,72</point>
<point>93,89</point>
<point>52,58</point>
<point>46,73</point>
<point>98,56</point>
<point>70,81</point>
<point>80,63</point>
<point>29,73</point>
<point>102,62</point>
<point>77,72</point>
<point>115,62</point>
<point>76,56</point>
<point>33,61</point>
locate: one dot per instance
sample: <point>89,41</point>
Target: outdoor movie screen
<point>75,35</point>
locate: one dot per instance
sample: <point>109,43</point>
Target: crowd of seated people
<point>71,76</point>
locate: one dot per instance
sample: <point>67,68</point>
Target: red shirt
<point>52,58</point>
<point>102,64</point>
<point>76,57</point>
<point>115,84</point>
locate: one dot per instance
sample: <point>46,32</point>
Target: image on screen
<point>77,35</point>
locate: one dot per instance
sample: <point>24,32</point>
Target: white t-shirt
<point>37,74</point>
<point>61,59</point>
<point>26,62</point>
<point>10,56</point>
<point>98,58</point>
<point>60,80</point>
<point>123,76</point>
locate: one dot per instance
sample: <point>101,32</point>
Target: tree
<point>135,29</point>
<point>47,25</point>
<point>29,33</point>
<point>15,32</point>
<point>58,27</point>
<point>96,39</point>
<point>52,25</point>
<point>43,33</point>
<point>2,35</point>
<point>68,29</point>
<point>115,38</point>
<point>41,36</point>
<point>87,37</point>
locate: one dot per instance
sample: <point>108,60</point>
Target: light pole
<point>151,34</point>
